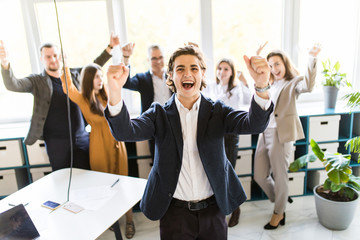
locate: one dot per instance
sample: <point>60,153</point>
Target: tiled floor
<point>301,224</point>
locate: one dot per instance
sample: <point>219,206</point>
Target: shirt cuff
<point>116,109</point>
<point>263,103</point>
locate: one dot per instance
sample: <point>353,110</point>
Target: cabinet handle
<point>3,148</point>
<point>41,145</point>
<point>291,179</point>
<point>1,177</point>
<point>323,149</point>
<point>324,123</point>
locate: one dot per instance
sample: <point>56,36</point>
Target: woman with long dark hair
<point>106,154</point>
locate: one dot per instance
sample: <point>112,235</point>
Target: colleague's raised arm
<point>127,50</point>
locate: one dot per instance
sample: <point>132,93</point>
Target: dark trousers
<point>58,150</point>
<point>231,148</point>
<point>180,223</point>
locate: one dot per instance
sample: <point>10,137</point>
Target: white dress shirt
<point>240,94</point>
<point>275,90</point>
<point>161,90</point>
<point>193,183</point>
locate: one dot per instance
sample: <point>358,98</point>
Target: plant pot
<point>335,215</point>
<point>330,96</point>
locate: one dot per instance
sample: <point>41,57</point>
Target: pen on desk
<point>115,182</point>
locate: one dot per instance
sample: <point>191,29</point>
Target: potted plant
<point>335,199</point>
<point>333,79</point>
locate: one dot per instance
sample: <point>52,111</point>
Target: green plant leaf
<point>301,162</point>
<point>327,184</point>
<point>334,176</point>
<point>316,150</point>
<point>335,187</point>
<point>348,192</point>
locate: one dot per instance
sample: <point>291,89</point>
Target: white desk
<point>87,224</point>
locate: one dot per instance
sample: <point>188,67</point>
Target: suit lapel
<point>174,120</point>
<point>204,115</point>
<point>151,85</point>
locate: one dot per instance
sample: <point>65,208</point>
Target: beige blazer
<point>287,120</point>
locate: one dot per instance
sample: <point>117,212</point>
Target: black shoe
<point>268,226</point>
<point>290,200</point>
<point>234,219</point>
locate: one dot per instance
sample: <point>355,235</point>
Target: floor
<point>301,224</point>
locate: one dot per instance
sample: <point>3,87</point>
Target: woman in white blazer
<point>275,144</point>
<point>233,93</point>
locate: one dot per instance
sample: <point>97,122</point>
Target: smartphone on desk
<point>51,205</point>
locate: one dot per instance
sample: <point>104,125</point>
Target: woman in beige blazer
<point>275,144</point>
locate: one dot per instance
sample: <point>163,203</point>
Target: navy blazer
<point>143,83</point>
<point>163,124</point>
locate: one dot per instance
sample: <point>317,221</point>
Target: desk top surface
<point>87,224</point>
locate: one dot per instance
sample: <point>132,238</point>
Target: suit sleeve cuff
<point>116,109</point>
<point>263,103</point>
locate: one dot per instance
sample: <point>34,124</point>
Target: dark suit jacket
<point>143,83</point>
<point>163,124</point>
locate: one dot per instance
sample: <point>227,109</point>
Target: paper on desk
<point>92,198</point>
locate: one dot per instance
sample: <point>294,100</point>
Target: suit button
<point>276,115</point>
<point>177,170</point>
<point>170,194</point>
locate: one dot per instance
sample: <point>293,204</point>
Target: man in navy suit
<point>192,186</point>
<point>151,84</point>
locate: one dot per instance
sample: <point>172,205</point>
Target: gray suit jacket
<point>163,124</point>
<point>41,87</point>
<point>287,120</point>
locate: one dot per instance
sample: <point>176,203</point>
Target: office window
<point>169,23</point>
<point>240,26</point>
<point>333,24</point>
<point>14,106</point>
<point>83,24</point>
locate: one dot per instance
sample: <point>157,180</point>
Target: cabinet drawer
<point>11,154</point>
<point>245,141</point>
<point>296,183</point>
<point>324,128</point>
<point>8,183</point>
<point>37,153</point>
<point>37,173</point>
<point>243,162</point>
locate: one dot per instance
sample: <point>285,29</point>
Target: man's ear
<point>203,72</point>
